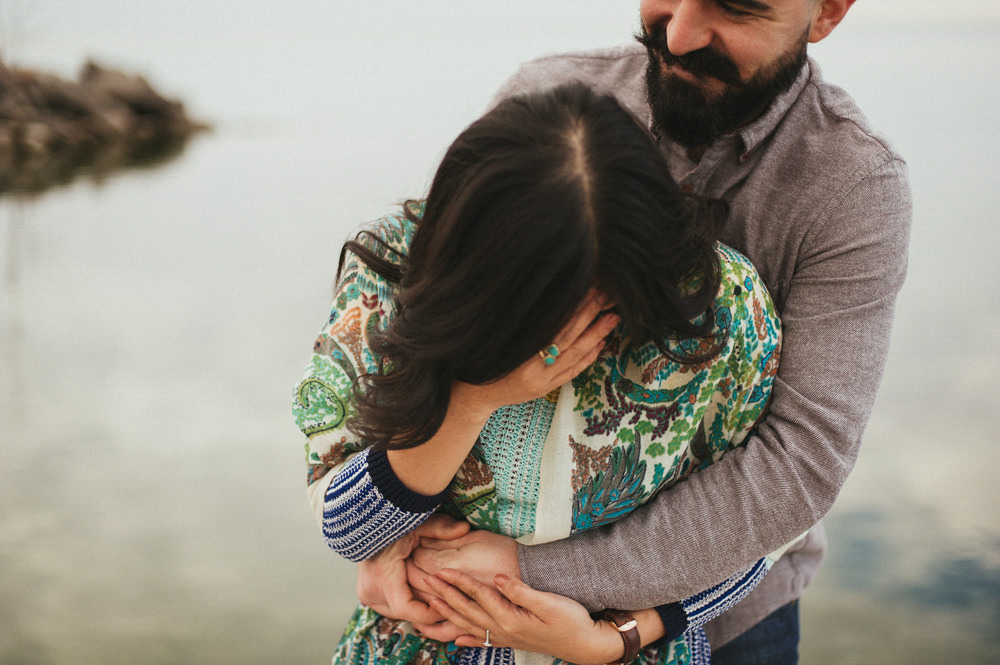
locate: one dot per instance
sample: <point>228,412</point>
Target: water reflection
<point>896,589</point>
<point>153,323</point>
<point>96,163</point>
<point>14,215</point>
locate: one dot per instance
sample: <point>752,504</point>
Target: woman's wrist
<point>607,646</point>
<point>612,646</point>
<point>429,468</point>
<point>650,626</point>
<point>628,630</point>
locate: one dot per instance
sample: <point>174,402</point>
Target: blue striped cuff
<point>359,519</point>
<point>393,489</point>
<point>705,606</point>
<point>486,656</point>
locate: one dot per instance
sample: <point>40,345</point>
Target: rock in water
<point>52,129</point>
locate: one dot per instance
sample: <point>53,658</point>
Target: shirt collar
<point>754,134</point>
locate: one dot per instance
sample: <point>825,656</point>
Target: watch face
<point>622,621</point>
<point>625,627</point>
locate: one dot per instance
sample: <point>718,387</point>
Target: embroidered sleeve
<point>745,311</point>
<point>360,503</point>
<point>362,303</point>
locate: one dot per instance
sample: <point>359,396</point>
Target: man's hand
<point>382,580</point>
<point>480,554</point>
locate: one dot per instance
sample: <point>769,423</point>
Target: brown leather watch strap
<point>626,625</point>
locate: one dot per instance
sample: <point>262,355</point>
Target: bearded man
<point>820,202</point>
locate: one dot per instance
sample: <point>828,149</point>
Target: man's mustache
<point>702,63</point>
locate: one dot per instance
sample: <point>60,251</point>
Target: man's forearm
<point>837,321</point>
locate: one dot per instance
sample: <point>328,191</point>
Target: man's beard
<point>686,113</point>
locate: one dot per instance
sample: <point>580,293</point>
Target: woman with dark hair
<point>545,342</point>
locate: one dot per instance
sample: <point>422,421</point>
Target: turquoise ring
<point>548,354</point>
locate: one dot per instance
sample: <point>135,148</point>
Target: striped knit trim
<point>705,606</point>
<point>486,656</point>
<point>698,646</point>
<point>393,489</point>
<point>358,519</point>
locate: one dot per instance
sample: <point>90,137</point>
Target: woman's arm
<point>519,617</point>
<point>368,499</point>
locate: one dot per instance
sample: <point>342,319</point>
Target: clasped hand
<point>418,579</point>
<point>397,581</point>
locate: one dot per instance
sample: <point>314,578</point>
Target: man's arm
<point>482,555</point>
<point>837,320</point>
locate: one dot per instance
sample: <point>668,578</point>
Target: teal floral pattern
<point>633,423</point>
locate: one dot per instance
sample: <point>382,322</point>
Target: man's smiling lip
<point>683,73</point>
<point>678,70</point>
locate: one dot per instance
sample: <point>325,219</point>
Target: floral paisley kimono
<point>583,456</point>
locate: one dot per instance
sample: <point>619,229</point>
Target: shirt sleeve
<point>367,507</point>
<point>360,503</point>
<point>837,320</point>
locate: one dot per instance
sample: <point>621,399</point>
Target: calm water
<point>153,324</point>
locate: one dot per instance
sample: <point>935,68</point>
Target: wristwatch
<point>626,625</point>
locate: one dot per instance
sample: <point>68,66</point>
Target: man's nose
<point>689,27</point>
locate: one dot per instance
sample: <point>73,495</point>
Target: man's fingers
<point>445,543</point>
<point>416,576</point>
<point>401,604</point>
<point>413,611</point>
<point>427,560</point>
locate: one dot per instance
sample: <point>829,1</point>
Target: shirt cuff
<point>393,489</point>
<point>674,618</point>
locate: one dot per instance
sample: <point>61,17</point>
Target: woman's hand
<point>480,554</point>
<point>579,344</point>
<point>517,616</point>
<point>429,468</point>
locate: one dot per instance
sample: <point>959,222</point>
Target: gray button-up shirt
<point>820,203</point>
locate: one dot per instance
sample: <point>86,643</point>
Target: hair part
<point>545,197</point>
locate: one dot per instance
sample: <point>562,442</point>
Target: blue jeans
<point>773,641</point>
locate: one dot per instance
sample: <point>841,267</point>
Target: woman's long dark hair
<point>545,197</point>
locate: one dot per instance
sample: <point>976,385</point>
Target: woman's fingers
<point>581,319</point>
<point>521,595</point>
<point>443,631</point>
<point>464,596</point>
<point>459,610</point>
<point>584,351</point>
